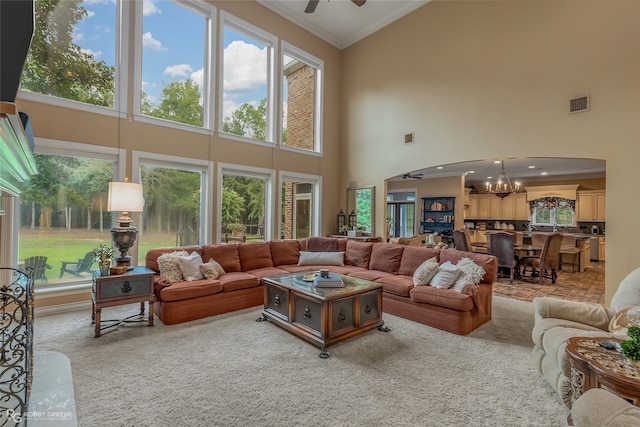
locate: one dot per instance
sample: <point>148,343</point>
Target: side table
<point>593,366</point>
<point>109,291</point>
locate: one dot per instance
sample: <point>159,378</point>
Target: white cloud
<point>197,77</point>
<point>95,54</point>
<point>90,13</point>
<point>181,70</point>
<point>244,66</point>
<point>149,42</point>
<point>149,7</point>
<point>77,37</point>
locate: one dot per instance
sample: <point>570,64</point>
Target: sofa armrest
<point>599,408</point>
<point>590,314</point>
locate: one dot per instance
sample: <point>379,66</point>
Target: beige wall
<point>492,79</point>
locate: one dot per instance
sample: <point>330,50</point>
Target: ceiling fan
<point>412,176</point>
<point>311,6</point>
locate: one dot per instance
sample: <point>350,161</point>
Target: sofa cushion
<point>371,275</point>
<point>211,269</point>
<point>284,252</point>
<point>386,257</point>
<point>446,275</point>
<point>267,271</point>
<point>442,297</point>
<point>358,253</point>
<point>470,274</point>
<point>398,285</point>
<point>254,255</point>
<point>413,256</point>
<point>179,291</point>
<point>151,257</point>
<point>224,254</point>
<point>321,258</point>
<point>169,266</point>
<point>190,266</point>
<point>425,272</point>
<point>322,244</point>
<point>238,280</point>
<point>488,262</point>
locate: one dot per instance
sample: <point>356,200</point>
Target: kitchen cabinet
<point>495,207</point>
<point>521,210</point>
<point>472,209</point>
<point>591,205</point>
<point>484,211</point>
<point>601,247</point>
<point>489,206</point>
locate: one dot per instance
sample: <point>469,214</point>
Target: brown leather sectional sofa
<point>245,264</point>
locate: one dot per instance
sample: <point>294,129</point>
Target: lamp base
<point>123,239</point>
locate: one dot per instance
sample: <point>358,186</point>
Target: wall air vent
<point>410,138</point>
<point>578,105</point>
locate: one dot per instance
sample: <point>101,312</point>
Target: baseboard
<point>62,308</point>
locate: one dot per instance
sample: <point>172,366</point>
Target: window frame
<point>316,182</point>
<point>293,51</point>
<point>552,217</point>
<point>209,12</point>
<point>123,17</point>
<point>271,41</point>
<point>205,167</point>
<point>250,172</point>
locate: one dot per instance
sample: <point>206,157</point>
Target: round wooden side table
<point>593,366</point>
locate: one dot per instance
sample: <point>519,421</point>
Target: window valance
<point>550,191</point>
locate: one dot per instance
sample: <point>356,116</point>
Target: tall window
<point>245,208</point>
<point>401,207</point>
<point>74,50</point>
<point>246,106</point>
<point>301,103</point>
<point>63,213</point>
<point>553,210</point>
<point>174,44</point>
<point>299,205</point>
<point>176,207</point>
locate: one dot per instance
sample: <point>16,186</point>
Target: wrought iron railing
<point>16,345</point>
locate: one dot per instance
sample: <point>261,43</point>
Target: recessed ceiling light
<point>472,172</point>
<point>439,167</point>
<point>489,177</point>
<point>543,173</point>
<point>497,161</point>
<point>532,167</point>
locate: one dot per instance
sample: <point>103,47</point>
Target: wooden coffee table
<point>323,316</point>
<point>593,366</point>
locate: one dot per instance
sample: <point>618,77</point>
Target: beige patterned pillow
<point>471,274</point>
<point>190,266</point>
<point>425,271</point>
<point>212,269</point>
<point>168,265</point>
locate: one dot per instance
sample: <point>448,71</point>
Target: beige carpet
<point>230,370</point>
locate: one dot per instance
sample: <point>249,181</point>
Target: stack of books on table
<point>333,281</point>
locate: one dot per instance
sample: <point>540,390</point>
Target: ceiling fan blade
<point>311,6</point>
<point>359,2</point>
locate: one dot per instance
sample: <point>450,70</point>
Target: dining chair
<point>568,247</point>
<point>548,263</point>
<point>462,239</point>
<point>501,245</point>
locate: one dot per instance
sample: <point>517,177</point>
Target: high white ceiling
<point>523,169</point>
<point>341,22</point>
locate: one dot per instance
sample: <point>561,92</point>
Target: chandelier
<point>503,187</point>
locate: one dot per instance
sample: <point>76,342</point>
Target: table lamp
<point>124,197</point>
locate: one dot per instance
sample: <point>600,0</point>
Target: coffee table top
<point>606,362</point>
<point>294,281</point>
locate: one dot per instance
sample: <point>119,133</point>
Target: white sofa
<point>558,320</point>
<point>599,408</point>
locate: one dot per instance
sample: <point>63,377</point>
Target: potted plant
<point>631,347</point>
<point>103,256</point>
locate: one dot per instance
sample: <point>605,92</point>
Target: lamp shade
<point>125,197</point>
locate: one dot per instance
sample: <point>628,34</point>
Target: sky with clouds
<point>173,43</point>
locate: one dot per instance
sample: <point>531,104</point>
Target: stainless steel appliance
<point>595,254</point>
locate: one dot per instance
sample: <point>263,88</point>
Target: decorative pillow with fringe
<point>471,274</point>
<point>169,267</point>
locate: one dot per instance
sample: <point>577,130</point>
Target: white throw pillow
<point>321,258</point>
<point>212,269</point>
<point>446,275</point>
<point>190,266</point>
<point>471,274</point>
<point>425,272</point>
<point>628,292</point>
<point>168,265</point>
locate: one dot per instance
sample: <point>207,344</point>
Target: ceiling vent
<point>410,138</point>
<point>578,105</point>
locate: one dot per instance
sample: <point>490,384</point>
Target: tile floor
<point>587,286</point>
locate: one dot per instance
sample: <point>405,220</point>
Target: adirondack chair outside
<point>38,266</point>
<point>82,265</point>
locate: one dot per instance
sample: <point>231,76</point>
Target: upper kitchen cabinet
<point>591,205</point>
<point>489,206</point>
